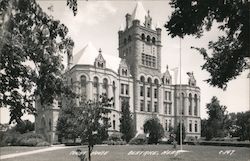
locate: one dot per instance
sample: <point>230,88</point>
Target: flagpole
<point>180,95</point>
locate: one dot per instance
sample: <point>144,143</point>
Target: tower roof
<point>89,53</point>
<point>139,13</point>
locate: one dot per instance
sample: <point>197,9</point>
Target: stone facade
<point>135,76</point>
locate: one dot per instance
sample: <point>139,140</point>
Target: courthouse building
<point>134,76</point>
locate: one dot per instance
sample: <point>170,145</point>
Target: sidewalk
<point>33,152</point>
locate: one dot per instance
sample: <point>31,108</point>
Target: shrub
<point>139,140</point>
<point>43,143</point>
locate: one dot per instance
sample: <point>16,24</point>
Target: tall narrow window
<point>182,103</point>
<point>148,92</point>
<point>142,105</point>
<point>196,127</point>
<point>166,125</point>
<point>114,98</point>
<point>190,104</point>
<point>83,83</point>
<point>127,89</point>
<point>169,108</point>
<point>105,86</point>
<point>141,91</point>
<point>169,125</point>
<point>155,93</point>
<point>195,105</point>
<point>122,88</point>
<point>149,106</point>
<point>190,126</point>
<point>155,106</point>
<point>113,124</point>
<point>96,88</point>
<point>165,108</point>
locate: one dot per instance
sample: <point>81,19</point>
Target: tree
<point>31,47</point>
<point>155,130</point>
<point>67,125</point>
<point>243,122</point>
<point>24,126</point>
<point>229,53</point>
<point>126,125</point>
<point>93,121</point>
<point>217,116</point>
<point>177,133</point>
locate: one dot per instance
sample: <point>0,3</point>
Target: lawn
<point>144,153</point>
<point>16,149</point>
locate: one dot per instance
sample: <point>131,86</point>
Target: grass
<point>17,149</point>
<point>120,153</point>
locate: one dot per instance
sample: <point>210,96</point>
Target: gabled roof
<point>88,54</point>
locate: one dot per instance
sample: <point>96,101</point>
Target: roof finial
<point>100,51</point>
<point>167,67</point>
<point>148,12</point>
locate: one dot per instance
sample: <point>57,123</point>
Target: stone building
<point>134,76</point>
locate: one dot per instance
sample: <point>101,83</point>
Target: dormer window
<point>99,61</point>
<point>148,38</point>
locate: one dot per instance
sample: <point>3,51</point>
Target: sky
<point>99,21</point>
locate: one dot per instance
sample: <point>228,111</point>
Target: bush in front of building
<point>140,139</point>
<point>13,138</point>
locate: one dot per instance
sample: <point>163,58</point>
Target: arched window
<point>105,86</point>
<point>142,37</point>
<point>129,38</point>
<point>190,104</point>
<point>156,81</point>
<point>153,40</point>
<point>148,38</point>
<point>83,84</point>
<point>149,80</point>
<point>96,88</point>
<point>195,105</point>
<point>142,79</point>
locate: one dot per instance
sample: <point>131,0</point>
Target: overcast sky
<point>99,21</point>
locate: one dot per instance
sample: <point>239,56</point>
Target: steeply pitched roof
<point>139,13</point>
<point>89,53</point>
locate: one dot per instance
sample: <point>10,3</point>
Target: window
<point>105,86</point>
<point>142,37</point>
<point>166,125</point>
<point>155,93</point>
<point>148,92</point>
<point>113,88</point>
<point>141,91</point>
<point>113,124</point>
<point>195,127</point>
<point>83,84</point>
<point>149,106</point>
<point>169,108</point>
<point>167,96</point>
<point>96,88</point>
<point>155,106</point>
<point>182,103</point>
<point>148,38</point>
<point>122,88</point>
<point>190,126</point>
<point>153,40</point>
<point>148,60</point>
<point>149,80</point>
<point>190,104</point>
<point>142,79</point>
<point>127,89</point>
<point>195,105</point>
<point>156,81</point>
<point>142,105</point>
<point>129,38</point>
<point>165,108</point>
<point>125,41</point>
<point>169,125</point>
